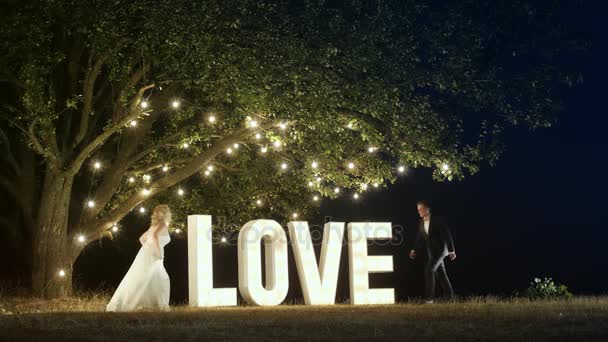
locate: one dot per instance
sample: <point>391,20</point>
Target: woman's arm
<point>153,234</point>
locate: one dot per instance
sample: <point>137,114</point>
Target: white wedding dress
<point>146,284</point>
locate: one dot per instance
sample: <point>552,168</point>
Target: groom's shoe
<point>428,302</point>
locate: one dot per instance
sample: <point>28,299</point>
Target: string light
<point>81,238</point>
<point>146,178</point>
<point>401,169</point>
<point>314,164</point>
<point>315,198</point>
<point>165,168</point>
<point>175,104</point>
<point>97,165</point>
<point>356,196</point>
<point>311,183</point>
<point>180,192</point>
<point>211,119</point>
<point>376,185</point>
<point>319,179</point>
<point>133,123</point>
<point>258,136</point>
<point>350,125</point>
<point>114,228</point>
<point>371,149</point>
<point>263,150</point>
<point>294,215</point>
<point>146,192</point>
<point>351,165</point>
<point>223,239</point>
<point>177,230</point>
<point>258,202</point>
<point>236,146</point>
<point>337,190</point>
<point>210,168</point>
<point>131,179</point>
<point>185,145</point>
<point>229,150</point>
<point>91,204</point>
<point>284,166</point>
<point>445,166</point>
<point>364,186</point>
<point>144,104</point>
<point>207,172</point>
<point>142,210</point>
<point>282,125</point>
<point>277,144</point>
<point>61,273</point>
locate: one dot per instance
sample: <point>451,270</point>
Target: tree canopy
<point>277,101</point>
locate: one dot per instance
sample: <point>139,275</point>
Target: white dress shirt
<point>426,225</point>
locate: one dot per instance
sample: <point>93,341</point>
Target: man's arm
<point>447,237</point>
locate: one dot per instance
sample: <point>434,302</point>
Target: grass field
<point>473,319</point>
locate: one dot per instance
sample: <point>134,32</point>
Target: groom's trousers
<point>435,271</point>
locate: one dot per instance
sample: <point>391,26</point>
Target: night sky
<point>540,212</point>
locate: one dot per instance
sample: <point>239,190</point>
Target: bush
<point>547,289</point>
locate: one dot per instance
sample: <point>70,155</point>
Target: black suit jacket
<point>438,239</point>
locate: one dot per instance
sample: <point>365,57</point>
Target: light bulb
<point>185,145</point>
<point>277,144</point>
<point>210,168</point>
<point>180,192</point>
<point>229,150</point>
<point>224,240</point>
<point>351,165</point>
<point>131,179</point>
<point>310,184</point>
<point>283,125</point>
<point>445,166</point>
<point>91,204</point>
<point>142,210</point>
<point>207,173</point>
<point>253,123</point>
<point>283,166</point>
<point>376,185</point>
<point>175,104</point>
<point>258,136</point>
<point>97,165</point>
<point>258,202</point>
<point>294,215</point>
<point>115,228</point>
<point>318,179</point>
<point>236,146</point>
<point>314,164</point>
<point>61,273</point>
<point>337,190</point>
<point>263,150</point>
<point>177,230</point>
<point>146,192</point>
<point>165,168</point>
<point>144,104</point>
<point>315,198</point>
<point>211,119</point>
<point>401,169</point>
<point>356,196</point>
<point>81,238</point>
<point>371,149</point>
<point>364,186</point>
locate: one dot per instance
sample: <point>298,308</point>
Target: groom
<point>437,239</point>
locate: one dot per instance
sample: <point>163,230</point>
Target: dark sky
<point>539,212</point>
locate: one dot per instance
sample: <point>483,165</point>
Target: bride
<point>146,285</point>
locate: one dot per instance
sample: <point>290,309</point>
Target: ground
<point>473,319</point>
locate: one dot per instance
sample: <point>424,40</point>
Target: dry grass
<point>473,319</point>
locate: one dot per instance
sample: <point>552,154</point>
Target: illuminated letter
<point>200,266</point>
<point>318,284</point>
<point>250,262</point>
<point>360,264</point>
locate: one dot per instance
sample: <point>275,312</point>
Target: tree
<point>252,107</point>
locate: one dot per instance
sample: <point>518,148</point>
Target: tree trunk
<point>52,264</point>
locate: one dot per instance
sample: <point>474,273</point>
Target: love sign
<point>318,283</point>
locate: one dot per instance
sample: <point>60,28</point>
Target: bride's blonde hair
<point>161,213</point>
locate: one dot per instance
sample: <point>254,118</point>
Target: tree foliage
<point>428,83</point>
